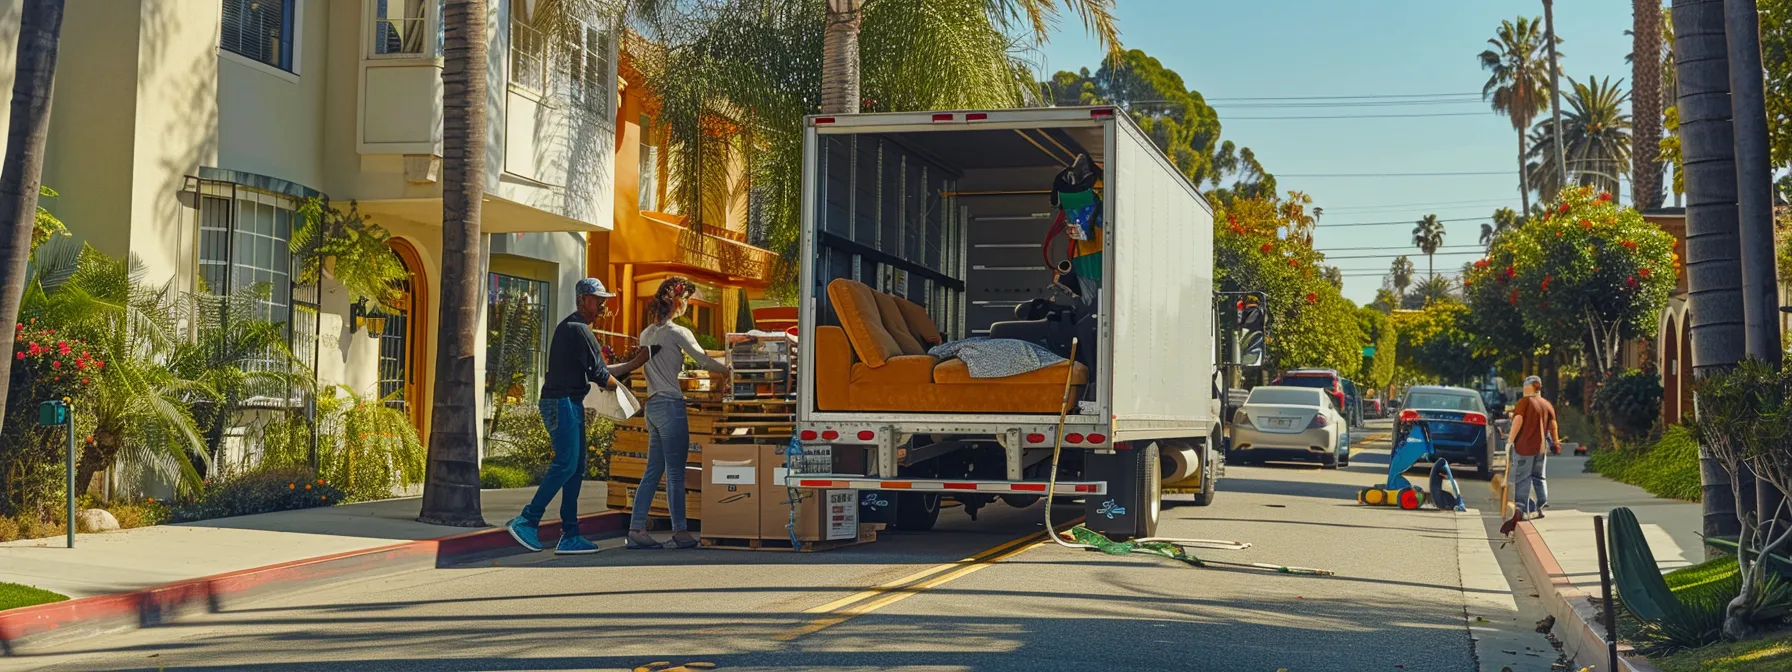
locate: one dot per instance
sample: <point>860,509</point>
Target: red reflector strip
<point>946,116</point>
<point>824,120</point>
<point>812,483</point>
<point>1085,488</point>
<point>1029,487</point>
<point>976,116</point>
<point>959,486</point>
<point>895,485</point>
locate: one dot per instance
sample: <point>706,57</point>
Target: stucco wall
<point>271,122</point>
<point>92,124</point>
<point>176,127</point>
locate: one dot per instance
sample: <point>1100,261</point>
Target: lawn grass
<point>1765,654</point>
<point>13,596</point>
<point>1666,468</point>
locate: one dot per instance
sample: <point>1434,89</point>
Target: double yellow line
<point>861,603</point>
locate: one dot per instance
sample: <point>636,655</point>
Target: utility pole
<point>1754,180</point>
<point>1555,87</point>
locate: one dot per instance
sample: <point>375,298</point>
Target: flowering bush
<point>257,491</point>
<point>46,366</point>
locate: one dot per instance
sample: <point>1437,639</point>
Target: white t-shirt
<point>663,368</point>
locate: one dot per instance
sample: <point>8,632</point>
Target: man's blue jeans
<point>668,446</point>
<point>1530,488</point>
<point>565,420</point>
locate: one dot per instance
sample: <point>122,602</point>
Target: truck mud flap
<point>1131,506</point>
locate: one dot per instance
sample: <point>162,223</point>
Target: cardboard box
<point>820,515</point>
<point>732,490</point>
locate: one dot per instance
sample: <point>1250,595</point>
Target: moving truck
<point>923,228</point>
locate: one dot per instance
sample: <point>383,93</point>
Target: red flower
<point>1563,209</point>
<point>1468,283</point>
<point>1630,282</point>
<point>1266,248</point>
<point>1605,196</point>
<point>55,364</point>
<point>1546,278</point>
<point>1513,298</point>
<point>1586,224</point>
<point>1481,263</point>
<point>1232,219</point>
<point>21,356</point>
<point>1644,272</point>
<point>1294,263</point>
<point>99,364</point>
<point>1312,297</point>
<point>1511,272</point>
<point>81,364</point>
<point>36,349</point>
<point>1630,245</point>
<point>83,381</point>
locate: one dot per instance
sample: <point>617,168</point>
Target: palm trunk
<point>1524,186</point>
<point>40,34</point>
<point>1713,251</point>
<point>451,486</point>
<point>1645,103</point>
<point>1754,181</point>
<point>840,63</point>
<point>1555,86</point>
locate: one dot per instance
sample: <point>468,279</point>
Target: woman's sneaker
<point>524,533</point>
<point>640,541</point>
<point>575,545</point>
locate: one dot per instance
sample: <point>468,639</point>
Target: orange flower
<point>1266,248</point>
<point>307,486</point>
<point>290,486</point>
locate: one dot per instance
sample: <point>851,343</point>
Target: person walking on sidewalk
<point>668,427</point>
<point>1533,430</point>
<point>574,363</point>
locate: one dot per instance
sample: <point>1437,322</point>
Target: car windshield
<point>1443,400</point>
<point>1284,395</point>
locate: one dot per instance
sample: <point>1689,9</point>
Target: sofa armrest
<point>833,369</point>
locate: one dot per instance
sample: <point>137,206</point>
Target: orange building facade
<point>652,241</point>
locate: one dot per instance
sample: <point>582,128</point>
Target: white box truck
<point>927,227</point>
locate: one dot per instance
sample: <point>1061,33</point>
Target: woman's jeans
<point>668,446</point>
<point>565,420</point>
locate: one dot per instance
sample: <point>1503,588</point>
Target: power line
<point>1366,116</point>
<point>1328,225</point>
<point>1362,103</point>
<point>1435,174</point>
<point>1400,254</point>
<point>1391,247</point>
<point>1383,96</point>
<point>1399,206</point>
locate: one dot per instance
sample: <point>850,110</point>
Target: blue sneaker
<point>524,533</point>
<point>575,545</point>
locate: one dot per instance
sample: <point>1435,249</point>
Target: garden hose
<point>1175,549</point>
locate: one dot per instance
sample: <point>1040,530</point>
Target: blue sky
<point>1283,48</point>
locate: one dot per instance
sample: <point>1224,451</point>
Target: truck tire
<point>1020,501</point>
<point>917,511</point>
<point>1134,501</point>
<point>1209,478</point>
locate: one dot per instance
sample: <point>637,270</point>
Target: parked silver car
<point>1290,423</point>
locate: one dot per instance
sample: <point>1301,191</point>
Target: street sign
<point>1368,351</point>
<point>52,414</point>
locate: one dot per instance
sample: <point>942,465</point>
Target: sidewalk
<point>139,558</point>
<point>1559,550</point>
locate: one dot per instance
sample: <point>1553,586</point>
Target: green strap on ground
<point>1084,535</point>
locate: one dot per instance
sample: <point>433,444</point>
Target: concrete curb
<point>73,619</point>
<point>1577,622</point>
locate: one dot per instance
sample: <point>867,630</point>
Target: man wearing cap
<point>574,363</point>
<point>1533,421</point>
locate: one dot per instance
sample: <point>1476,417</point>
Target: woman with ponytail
<point>668,428</point>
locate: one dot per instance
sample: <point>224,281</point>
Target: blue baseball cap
<point>1533,380</point>
<point>592,287</point>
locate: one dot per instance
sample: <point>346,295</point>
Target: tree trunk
<point>1524,186</point>
<point>1555,86</point>
<point>1754,181</point>
<point>1645,104</point>
<point>451,487</point>
<point>840,63</point>
<point>1713,252</point>
<point>40,34</point>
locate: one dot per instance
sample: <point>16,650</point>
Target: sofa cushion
<point>856,305</point>
<point>898,370</point>
<point>956,372</point>
<point>897,326</point>
<point>919,323</point>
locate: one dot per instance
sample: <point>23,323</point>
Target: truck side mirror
<point>1254,349</point>
<point>1250,317</point>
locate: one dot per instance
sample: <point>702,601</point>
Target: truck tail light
<point>830,435</point>
<point>808,435</point>
<point>1035,438</point>
<point>1098,438</point>
<point>1101,113</point>
<point>1073,437</point>
<point>867,435</point>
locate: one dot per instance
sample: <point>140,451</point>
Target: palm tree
<point>1401,273</point>
<point>1504,219</point>
<point>1553,43</point>
<point>1646,103</point>
<point>1713,268</point>
<point>841,74</point>
<point>1597,134</point>
<point>21,178</point>
<point>451,482</point>
<point>1428,235</point>
<point>1431,290</point>
<point>1518,87</point>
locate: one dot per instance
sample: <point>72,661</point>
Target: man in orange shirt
<point>1533,422</point>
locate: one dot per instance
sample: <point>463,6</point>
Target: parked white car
<point>1290,423</point>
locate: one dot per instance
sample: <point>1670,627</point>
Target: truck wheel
<point>1209,478</point>
<point>1020,501</point>
<point>917,511</point>
<point>1135,492</point>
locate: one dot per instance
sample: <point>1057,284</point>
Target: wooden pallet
<point>781,544</point>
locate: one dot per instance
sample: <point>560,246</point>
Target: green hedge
<point>1667,468</point>
<point>13,596</point>
<point>499,476</point>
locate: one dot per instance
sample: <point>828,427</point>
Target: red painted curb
<point>159,604</point>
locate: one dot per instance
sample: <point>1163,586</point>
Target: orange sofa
<point>877,361</point>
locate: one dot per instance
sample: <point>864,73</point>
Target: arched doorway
<point>403,345</point>
<point>1670,371</point>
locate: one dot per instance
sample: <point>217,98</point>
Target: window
<point>243,242</point>
<point>516,334</point>
<point>528,49</point>
<point>261,30</point>
<point>591,80</point>
<point>399,26</point>
<point>650,168</point>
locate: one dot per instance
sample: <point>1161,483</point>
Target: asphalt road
<point>1413,591</point>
